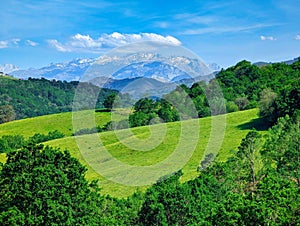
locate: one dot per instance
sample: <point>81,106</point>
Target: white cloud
<point>9,43</point>
<point>58,46</point>
<point>207,30</point>
<point>297,37</point>
<point>85,43</point>
<point>15,41</point>
<point>3,44</point>
<point>225,29</point>
<point>265,38</point>
<point>31,43</point>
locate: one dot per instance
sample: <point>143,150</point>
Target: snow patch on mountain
<point>8,68</point>
<point>147,65</point>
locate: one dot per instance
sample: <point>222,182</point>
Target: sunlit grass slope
<point>44,124</point>
<point>238,124</point>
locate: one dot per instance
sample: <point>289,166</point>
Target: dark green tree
<point>266,104</point>
<point>109,101</point>
<point>44,186</point>
<point>241,102</point>
<point>7,113</point>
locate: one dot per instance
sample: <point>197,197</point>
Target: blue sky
<point>37,33</point>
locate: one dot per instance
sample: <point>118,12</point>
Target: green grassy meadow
<point>128,151</point>
<point>144,146</point>
<point>43,124</point>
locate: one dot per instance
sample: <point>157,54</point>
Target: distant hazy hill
<point>262,63</point>
<point>137,87</point>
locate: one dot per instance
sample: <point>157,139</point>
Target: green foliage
<point>276,202</point>
<point>274,106</point>
<point>244,82</point>
<point>96,129</point>
<point>114,125</point>
<point>10,143</point>
<point>47,186</point>
<point>171,203</point>
<point>40,138</point>
<point>266,102</point>
<point>240,191</point>
<point>167,112</point>
<point>282,147</point>
<point>7,113</point>
<point>159,208</point>
<point>109,101</point>
<point>182,103</point>
<point>44,186</point>
<point>231,106</point>
<point>122,211</point>
<point>242,103</point>
<point>240,80</point>
<point>34,97</point>
<point>288,101</point>
<point>148,111</point>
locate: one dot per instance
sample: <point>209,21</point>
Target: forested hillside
<point>35,97</point>
<point>274,88</point>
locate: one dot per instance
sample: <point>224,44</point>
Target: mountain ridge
<point>70,71</point>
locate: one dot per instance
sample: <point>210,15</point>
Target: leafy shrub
<point>10,143</point>
<point>96,129</point>
<point>40,138</point>
<point>231,107</point>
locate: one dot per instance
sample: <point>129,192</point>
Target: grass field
<point>43,124</point>
<point>173,145</point>
<point>146,146</point>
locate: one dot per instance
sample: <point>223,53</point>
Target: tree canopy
<point>45,186</point>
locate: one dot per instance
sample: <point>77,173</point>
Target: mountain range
<point>149,74</point>
<point>137,74</point>
<point>262,63</point>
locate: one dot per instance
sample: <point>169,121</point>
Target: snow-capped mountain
<point>147,65</point>
<point>69,71</point>
<point>125,73</point>
<point>157,70</point>
<point>8,68</point>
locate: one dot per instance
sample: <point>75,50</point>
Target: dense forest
<point>258,185</point>
<point>34,97</point>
